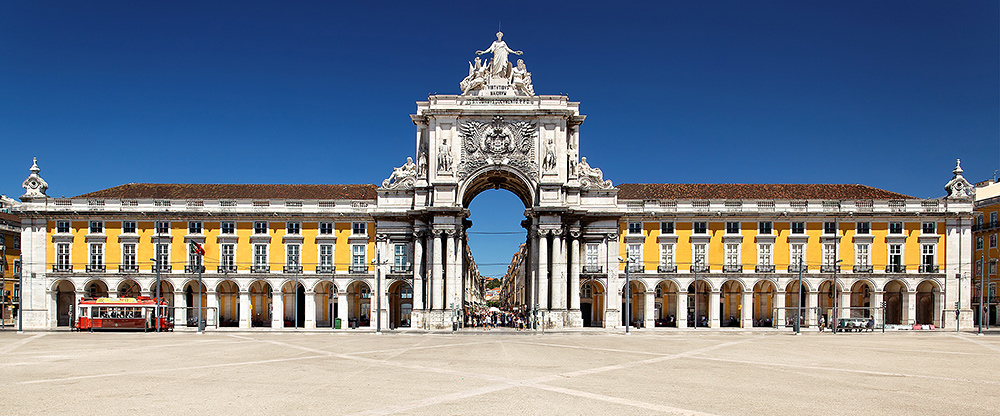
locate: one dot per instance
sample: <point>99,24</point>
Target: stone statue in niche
<point>444,156</point>
<point>422,163</point>
<point>549,162</point>
<point>403,176</point>
<point>591,177</point>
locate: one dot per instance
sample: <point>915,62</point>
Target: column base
<point>36,319</point>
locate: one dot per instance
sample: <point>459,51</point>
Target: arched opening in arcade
<point>190,296</point>
<point>166,293</point>
<point>764,293</point>
<point>731,304</point>
<point>65,299</point>
<point>861,299</point>
<point>697,301</point>
<point>293,301</point>
<point>592,303</point>
<point>359,304</point>
<point>229,303</point>
<point>326,304</point>
<point>894,296</point>
<point>260,304</point>
<point>666,303</point>
<point>128,288</point>
<point>400,304</point>
<point>795,300</point>
<point>95,289</point>
<point>636,305</point>
<point>826,303</point>
<point>928,294</point>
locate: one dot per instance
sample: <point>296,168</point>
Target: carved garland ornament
<point>498,143</point>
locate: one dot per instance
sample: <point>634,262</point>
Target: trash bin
<point>336,323</point>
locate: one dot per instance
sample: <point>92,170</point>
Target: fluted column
<point>574,275</point>
<point>558,263</point>
<point>543,271</point>
<point>278,309</point>
<point>450,275</point>
<point>244,309</point>
<point>418,271</point>
<point>437,273</point>
<point>310,322</point>
<point>613,312</point>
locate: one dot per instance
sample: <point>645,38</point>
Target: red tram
<point>123,313</point>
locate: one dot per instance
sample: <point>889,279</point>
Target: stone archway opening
<point>65,294</point>
<point>697,293</point>
<point>190,299</point>
<point>326,295</point>
<point>293,300</point>
<point>359,300</point>
<point>894,296</point>
<point>260,304</point>
<point>229,303</point>
<point>128,288</point>
<point>927,301</point>
<point>400,304</point>
<point>666,303</point>
<point>861,299</point>
<point>166,293</point>
<point>95,289</point>
<point>636,304</point>
<point>764,297</point>
<point>592,303</point>
<point>731,304</point>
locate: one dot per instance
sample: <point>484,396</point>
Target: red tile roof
<point>752,191</point>
<point>235,191</point>
<point>10,218</point>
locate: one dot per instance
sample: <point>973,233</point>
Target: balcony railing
<point>895,268</point>
<point>324,268</point>
<point>226,268</point>
<point>128,268</point>
<point>593,269</point>
<point>405,268</point>
<point>732,268</point>
<point>764,268</point>
<point>863,268</point>
<point>163,268</point>
<point>194,268</point>
<point>667,268</point>
<point>359,269</point>
<point>987,225</point>
<point>636,268</point>
<point>260,268</point>
<point>292,269</point>
<point>96,268</point>
<point>829,268</point>
<point>795,268</point>
<point>699,269</point>
<point>928,268</point>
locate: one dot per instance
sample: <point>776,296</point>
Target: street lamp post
<point>836,295</point>
<point>798,302</point>
<point>156,300</point>
<point>982,288</point>
<point>628,295</point>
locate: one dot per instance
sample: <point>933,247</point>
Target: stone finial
<point>34,186</point>
<point>958,187</point>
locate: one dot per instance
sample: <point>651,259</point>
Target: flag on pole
<point>197,248</point>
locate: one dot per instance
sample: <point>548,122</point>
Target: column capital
<point>612,236</point>
<point>381,237</point>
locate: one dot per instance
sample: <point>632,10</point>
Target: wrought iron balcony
<point>128,268</point>
<point>795,268</point>
<point>359,269</point>
<point>764,268</point>
<point>829,268</point>
<point>895,268</point>
<point>260,268</point>
<point>226,268</point>
<point>194,268</point>
<point>863,268</point>
<point>163,268</point>
<point>928,268</point>
<point>96,268</point>
<point>593,269</point>
<point>292,269</point>
<point>667,268</point>
<point>636,268</point>
<point>324,268</point>
<point>699,269</point>
<point>732,268</point>
<point>406,268</point>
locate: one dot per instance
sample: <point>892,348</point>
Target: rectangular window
<point>732,254</point>
<point>863,227</point>
<point>667,254</point>
<point>260,255</point>
<point>292,255</point>
<point>927,254</point>
<point>797,255</point>
<point>17,243</point>
<point>62,226</point>
<point>62,255</point>
<point>326,228</point>
<point>895,254</point>
<point>979,243</point>
<point>194,227</point>
<point>700,259</point>
<point>764,256</point>
<point>228,227</point>
<point>993,267</point>
<point>928,228</point>
<point>895,228</point>
<point>194,259</point>
<point>634,253</point>
<point>163,255</point>
<point>163,227</point>
<point>359,228</point>
<point>993,241</point>
<point>96,227</point>
<point>129,255</point>
<point>400,258</point>
<point>666,228</point>
<point>732,227</point>
<point>765,227</point>
<point>979,268</point>
<point>326,255</point>
<point>358,255</point>
<point>293,228</point>
<point>635,228</point>
<point>829,254</point>
<point>128,227</point>
<point>701,228</point>
<point>862,254</point>
<point>993,290</point>
<point>993,217</point>
<point>830,228</point>
<point>592,250</point>
<point>96,254</point>
<point>260,227</point>
<point>227,256</point>
<point>798,228</point>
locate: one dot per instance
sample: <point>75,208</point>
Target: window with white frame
<point>862,254</point>
<point>358,255</point>
<point>927,252</point>
<point>194,227</point>
<point>96,254</point>
<point>17,243</point>
<point>732,227</point>
<point>62,226</point>
<point>400,258</point>
<point>194,259</point>
<point>359,228</point>
<point>798,228</point>
<point>764,254</point>
<point>591,258</point>
<point>634,253</point>
<point>895,227</point>
<point>928,227</point>
<point>863,228</point>
<point>326,228</point>
<point>993,267</point>
<point>765,227</point>
<point>635,228</point>
<point>993,290</point>
<point>830,228</point>
<point>326,255</point>
<point>979,243</point>
<point>732,254</point>
<point>293,228</point>
<point>895,255</point>
<point>667,254</point>
<point>993,241</point>
<point>829,254</point>
<point>587,292</point>
<point>62,255</point>
<point>979,267</point>
<point>96,227</point>
<point>797,254</point>
<point>162,227</point>
<point>260,255</point>
<point>993,216</point>
<point>227,255</point>
<point>129,255</point>
<point>260,227</point>
<point>700,258</point>
<point>228,227</point>
<point>667,227</point>
<point>163,254</point>
<point>701,227</point>
<point>293,255</point>
<point>128,227</point>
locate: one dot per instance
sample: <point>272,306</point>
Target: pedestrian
<point>822,323</point>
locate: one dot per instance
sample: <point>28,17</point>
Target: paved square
<point>500,373</point>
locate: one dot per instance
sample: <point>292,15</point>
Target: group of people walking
<point>491,318</point>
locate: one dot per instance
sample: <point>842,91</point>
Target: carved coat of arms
<point>498,142</point>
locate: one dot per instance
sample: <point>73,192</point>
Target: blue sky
<point>885,93</point>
